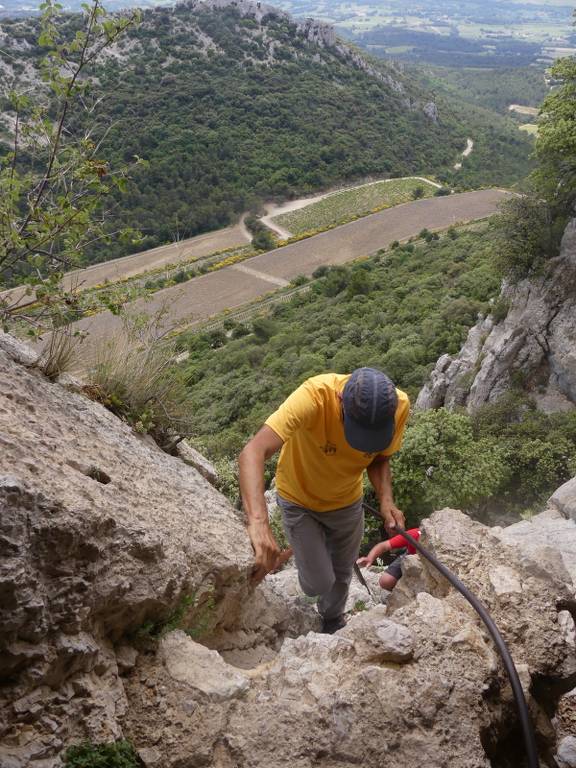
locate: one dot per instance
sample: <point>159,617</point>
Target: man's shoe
<point>329,626</point>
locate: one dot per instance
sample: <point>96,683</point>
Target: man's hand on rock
<point>392,517</point>
<point>268,556</point>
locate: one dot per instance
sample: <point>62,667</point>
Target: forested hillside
<point>230,107</point>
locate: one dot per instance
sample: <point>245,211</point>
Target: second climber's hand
<point>392,517</point>
<point>379,549</point>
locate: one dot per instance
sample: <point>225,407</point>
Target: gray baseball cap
<point>369,401</point>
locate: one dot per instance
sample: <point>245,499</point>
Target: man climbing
<point>328,430</point>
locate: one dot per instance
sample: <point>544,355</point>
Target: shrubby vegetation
<point>491,88</point>
<point>530,229</point>
<point>119,754</point>
<point>54,181</point>
<point>399,312</point>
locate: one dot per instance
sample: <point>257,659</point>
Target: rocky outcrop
<point>399,683</point>
<point>126,611</point>
<point>323,35</point>
<point>102,535</point>
<point>535,345</point>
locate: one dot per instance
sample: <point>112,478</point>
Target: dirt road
<point>273,210</point>
<point>136,263</point>
<point>233,286</point>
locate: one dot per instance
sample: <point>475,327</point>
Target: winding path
<point>465,153</point>
<point>228,288</point>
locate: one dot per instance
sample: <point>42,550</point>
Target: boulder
<point>201,669</point>
<point>564,499</point>
<point>546,542</point>
<point>17,350</point>
<point>394,684</point>
<point>194,458</point>
<point>102,536</point>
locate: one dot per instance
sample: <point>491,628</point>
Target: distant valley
<point>232,105</point>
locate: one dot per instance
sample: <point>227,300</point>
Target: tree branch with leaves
<point>54,181</point>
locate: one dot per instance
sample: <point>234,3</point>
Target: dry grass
<point>60,354</point>
<point>135,376</point>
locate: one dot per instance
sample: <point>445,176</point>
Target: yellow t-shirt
<point>317,468</point>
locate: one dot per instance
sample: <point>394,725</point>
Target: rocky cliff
<point>533,347</point>
<point>126,611</point>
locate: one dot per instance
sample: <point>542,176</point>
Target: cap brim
<point>368,440</point>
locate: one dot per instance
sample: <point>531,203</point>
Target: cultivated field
<point>137,263</point>
<point>208,295</point>
<point>348,204</point>
<point>522,110</point>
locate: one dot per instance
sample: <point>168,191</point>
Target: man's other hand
<point>392,517</point>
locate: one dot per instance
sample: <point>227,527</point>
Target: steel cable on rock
<point>501,647</point>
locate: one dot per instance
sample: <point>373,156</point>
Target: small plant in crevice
<point>193,614</point>
<point>117,754</point>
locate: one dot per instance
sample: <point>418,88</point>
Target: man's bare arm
<point>381,478</point>
<point>251,464</point>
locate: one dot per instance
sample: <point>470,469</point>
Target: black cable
<point>522,706</point>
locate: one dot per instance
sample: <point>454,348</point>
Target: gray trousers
<point>326,545</point>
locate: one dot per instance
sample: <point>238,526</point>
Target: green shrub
<point>119,754</point>
<point>442,464</point>
<point>500,309</point>
<point>528,235</point>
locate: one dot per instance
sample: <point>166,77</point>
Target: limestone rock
<point>194,458</point>
<point>200,668</point>
<point>564,499</point>
<point>431,111</point>
<point>549,542</point>
<point>377,638</point>
<point>70,382</point>
<point>451,378</point>
<point>99,534</point>
<point>504,580</point>
<point>17,350</point>
<point>126,657</point>
<point>566,754</point>
<point>396,687</point>
<point>565,720</point>
<point>537,339</point>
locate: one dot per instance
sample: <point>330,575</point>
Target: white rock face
<point>17,350</point>
<point>99,533</point>
<point>549,541</point>
<point>195,459</point>
<point>199,668</point>
<point>564,499</point>
<point>395,684</point>
<point>566,754</point>
<point>537,340</point>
